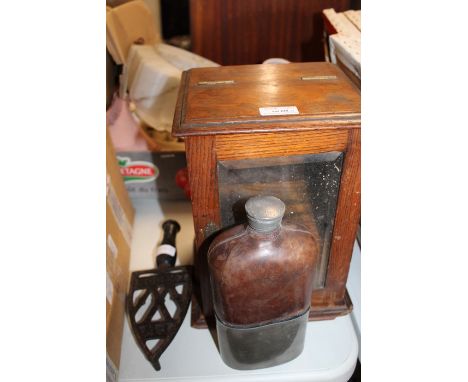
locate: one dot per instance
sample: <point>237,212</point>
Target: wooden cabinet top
<point>228,99</point>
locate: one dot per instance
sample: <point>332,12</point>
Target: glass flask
<point>262,275</point>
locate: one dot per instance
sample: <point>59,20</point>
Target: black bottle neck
<point>170,228</point>
<point>166,253</point>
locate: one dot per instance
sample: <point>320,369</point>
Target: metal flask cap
<point>264,213</point>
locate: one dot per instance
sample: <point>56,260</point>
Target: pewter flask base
<point>262,346</point>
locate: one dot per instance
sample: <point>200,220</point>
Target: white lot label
<point>165,249</point>
<point>278,110</point>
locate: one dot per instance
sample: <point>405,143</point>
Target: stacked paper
<point>154,69</point>
<point>154,74</point>
<point>345,44</point>
<point>354,17</point>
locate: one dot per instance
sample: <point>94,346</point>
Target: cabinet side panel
<point>201,162</point>
<point>347,217</point>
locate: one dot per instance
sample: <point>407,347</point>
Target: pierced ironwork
<point>154,324</point>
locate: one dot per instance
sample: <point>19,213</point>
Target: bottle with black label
<point>166,253</point>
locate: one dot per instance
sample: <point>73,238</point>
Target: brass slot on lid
<point>226,82</point>
<point>318,78</point>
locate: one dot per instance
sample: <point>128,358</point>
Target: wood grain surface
<point>323,95</point>
<point>347,217</point>
<point>264,145</point>
<point>233,32</point>
<point>201,163</point>
<point>329,121</point>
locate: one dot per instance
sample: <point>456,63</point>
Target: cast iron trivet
<point>153,325</point>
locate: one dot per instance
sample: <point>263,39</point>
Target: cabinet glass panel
<point>307,184</point>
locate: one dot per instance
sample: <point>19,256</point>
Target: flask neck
<point>264,226</point>
<point>267,234</point>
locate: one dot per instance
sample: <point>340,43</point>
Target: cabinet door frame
<point>203,153</point>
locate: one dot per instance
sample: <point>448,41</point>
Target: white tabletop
<point>330,351</point>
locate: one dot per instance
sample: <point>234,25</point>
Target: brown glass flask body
<point>259,278</point>
<point>262,277</point>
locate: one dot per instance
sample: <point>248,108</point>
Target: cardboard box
<point>154,174</point>
<point>117,278</point>
<point>117,194</point>
<point>119,223</point>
